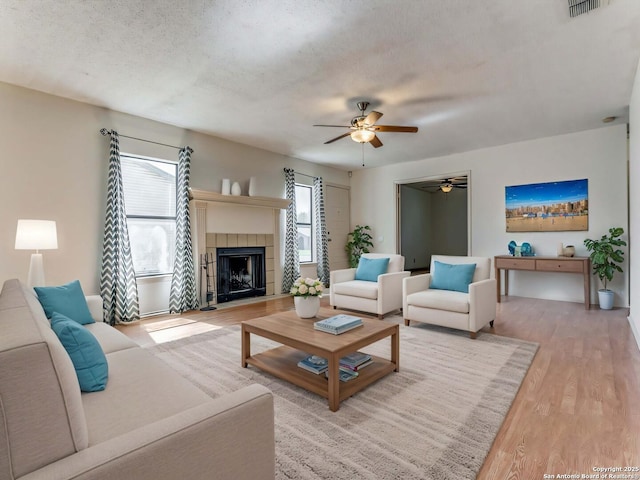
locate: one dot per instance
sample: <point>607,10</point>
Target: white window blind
<point>150,201</point>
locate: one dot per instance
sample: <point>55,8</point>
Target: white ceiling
<point>469,74</point>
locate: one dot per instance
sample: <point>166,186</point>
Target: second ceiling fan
<point>363,127</point>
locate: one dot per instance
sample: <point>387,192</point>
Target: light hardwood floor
<point>577,409</point>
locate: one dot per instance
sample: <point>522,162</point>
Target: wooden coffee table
<point>299,339</point>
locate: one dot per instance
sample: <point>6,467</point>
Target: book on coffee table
<point>345,374</point>
<point>356,361</point>
<point>338,324</point>
<point>314,364</point>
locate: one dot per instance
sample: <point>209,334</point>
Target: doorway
<point>433,218</point>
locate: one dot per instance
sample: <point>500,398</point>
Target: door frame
<point>399,183</point>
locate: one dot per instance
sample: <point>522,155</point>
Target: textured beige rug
<point>434,419</point>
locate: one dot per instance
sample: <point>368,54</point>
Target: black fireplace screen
<point>241,273</point>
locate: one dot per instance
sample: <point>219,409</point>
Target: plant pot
<point>605,298</point>
<point>307,307</point>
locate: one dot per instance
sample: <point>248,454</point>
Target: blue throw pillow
<point>452,277</point>
<point>369,268</point>
<point>85,352</point>
<point>67,299</point>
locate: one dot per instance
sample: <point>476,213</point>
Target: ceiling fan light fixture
<point>446,188</point>
<point>362,136</point>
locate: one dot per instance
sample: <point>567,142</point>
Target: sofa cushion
<point>369,268</point>
<point>142,389</point>
<point>446,276</point>
<point>109,338</point>
<point>85,352</point>
<point>440,300</point>
<point>69,300</point>
<point>357,288</point>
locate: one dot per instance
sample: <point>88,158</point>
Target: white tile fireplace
<point>223,222</point>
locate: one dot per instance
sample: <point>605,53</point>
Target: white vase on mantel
<point>307,307</point>
<point>226,186</point>
<point>235,189</point>
<point>252,187</point>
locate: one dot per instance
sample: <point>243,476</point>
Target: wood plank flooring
<point>578,407</point>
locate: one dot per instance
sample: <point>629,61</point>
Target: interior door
<point>337,206</point>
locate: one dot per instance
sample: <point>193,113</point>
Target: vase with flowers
<point>306,296</point>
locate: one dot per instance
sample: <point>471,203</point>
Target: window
<point>304,221</point>
<point>150,201</point>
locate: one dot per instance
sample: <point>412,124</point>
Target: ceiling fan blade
<point>376,142</point>
<point>338,138</point>
<point>393,128</point>
<point>340,126</point>
<point>372,118</point>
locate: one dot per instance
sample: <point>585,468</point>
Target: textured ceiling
<point>469,74</point>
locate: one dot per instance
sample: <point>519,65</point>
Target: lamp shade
<point>36,235</point>
<point>362,136</point>
<point>446,188</point>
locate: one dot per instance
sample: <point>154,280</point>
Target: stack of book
<point>345,374</point>
<point>355,361</point>
<point>314,364</point>
<point>338,324</point>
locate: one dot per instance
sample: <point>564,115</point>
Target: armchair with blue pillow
<point>456,293</point>
<point>375,286</point>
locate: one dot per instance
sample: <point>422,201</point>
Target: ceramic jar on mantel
<point>307,307</point>
<point>235,189</point>
<point>226,186</point>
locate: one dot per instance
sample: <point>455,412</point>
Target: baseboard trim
<point>634,330</point>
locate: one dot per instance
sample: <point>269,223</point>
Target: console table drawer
<point>559,266</point>
<point>516,263</point>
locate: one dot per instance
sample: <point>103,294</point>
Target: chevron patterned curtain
<point>118,286</point>
<point>184,295</point>
<point>322,250</point>
<point>291,270</point>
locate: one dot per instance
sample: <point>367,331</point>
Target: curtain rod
<point>106,132</point>
<point>300,173</point>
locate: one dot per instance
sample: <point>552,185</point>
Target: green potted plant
<point>358,242</point>
<point>605,257</point>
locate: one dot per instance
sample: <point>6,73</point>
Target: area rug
<point>434,419</point>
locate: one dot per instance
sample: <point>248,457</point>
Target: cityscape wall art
<point>548,207</point>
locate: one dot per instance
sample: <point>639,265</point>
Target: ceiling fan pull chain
<point>362,154</point>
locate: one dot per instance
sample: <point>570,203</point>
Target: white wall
<point>634,206</point>
<point>599,155</point>
<point>54,166</point>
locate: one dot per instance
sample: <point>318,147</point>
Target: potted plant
<point>358,242</point>
<point>605,257</point>
<point>306,296</point>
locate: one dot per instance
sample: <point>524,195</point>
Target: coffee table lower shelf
<point>282,362</point>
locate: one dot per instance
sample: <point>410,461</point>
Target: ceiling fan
<point>363,127</point>
<point>449,184</point>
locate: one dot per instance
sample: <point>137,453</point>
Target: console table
<point>544,264</point>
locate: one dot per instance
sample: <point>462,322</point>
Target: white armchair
<point>379,297</point>
<point>464,311</point>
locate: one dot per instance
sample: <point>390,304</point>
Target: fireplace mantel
<point>265,202</point>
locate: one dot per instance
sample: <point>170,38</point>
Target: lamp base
<point>36,271</point>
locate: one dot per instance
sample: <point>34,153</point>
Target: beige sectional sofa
<point>149,422</point>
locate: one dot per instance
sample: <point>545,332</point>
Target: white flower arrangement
<point>307,287</point>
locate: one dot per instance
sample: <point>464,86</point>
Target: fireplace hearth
<point>241,273</point>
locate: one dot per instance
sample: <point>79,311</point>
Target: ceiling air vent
<point>578,7</point>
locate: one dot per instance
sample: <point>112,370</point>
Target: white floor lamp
<point>36,235</point>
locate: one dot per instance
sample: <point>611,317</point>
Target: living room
<point>56,161</point>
